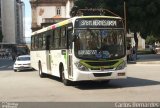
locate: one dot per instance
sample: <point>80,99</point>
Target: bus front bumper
<point>99,75</point>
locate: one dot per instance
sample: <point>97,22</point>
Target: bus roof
<point>67,21</point>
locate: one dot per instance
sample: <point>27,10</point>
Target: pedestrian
<point>13,56</point>
<point>134,53</point>
<point>129,52</point>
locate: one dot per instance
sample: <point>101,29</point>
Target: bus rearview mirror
<point>74,36</point>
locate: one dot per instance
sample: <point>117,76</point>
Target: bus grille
<point>101,74</point>
<point>108,63</point>
<point>103,68</point>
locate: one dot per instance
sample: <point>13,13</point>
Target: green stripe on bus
<point>119,61</point>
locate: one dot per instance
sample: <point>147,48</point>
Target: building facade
<point>12,19</point>
<point>45,12</point>
<point>0,18</point>
<point>141,41</point>
<point>20,22</point>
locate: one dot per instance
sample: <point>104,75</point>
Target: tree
<point>150,40</point>
<point>100,4</point>
<point>142,15</point>
<point>1,36</point>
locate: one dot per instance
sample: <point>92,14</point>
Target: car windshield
<point>23,58</point>
<point>99,43</point>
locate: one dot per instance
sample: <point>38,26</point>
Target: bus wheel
<point>41,74</point>
<point>64,80</point>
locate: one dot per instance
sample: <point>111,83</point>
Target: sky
<point>27,19</point>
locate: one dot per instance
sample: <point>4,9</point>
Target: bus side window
<point>48,42</point>
<point>63,38</point>
<point>44,41</point>
<point>52,39</point>
<point>57,38</point>
<point>32,43</point>
<point>40,42</point>
<point>69,35</point>
<point>36,42</point>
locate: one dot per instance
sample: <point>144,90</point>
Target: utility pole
<point>125,19</point>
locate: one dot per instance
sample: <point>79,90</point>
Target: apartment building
<point>0,17</point>
<point>12,21</point>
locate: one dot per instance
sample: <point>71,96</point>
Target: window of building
<point>58,10</point>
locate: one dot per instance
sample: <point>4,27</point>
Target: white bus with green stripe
<point>81,49</point>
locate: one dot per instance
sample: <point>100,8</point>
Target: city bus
<point>13,50</point>
<point>80,49</point>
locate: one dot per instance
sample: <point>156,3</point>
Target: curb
<point>144,62</point>
<point>148,62</point>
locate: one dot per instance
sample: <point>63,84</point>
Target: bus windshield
<point>99,43</point>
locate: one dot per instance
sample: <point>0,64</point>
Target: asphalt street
<point>142,85</point>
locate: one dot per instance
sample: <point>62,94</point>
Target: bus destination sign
<point>94,23</point>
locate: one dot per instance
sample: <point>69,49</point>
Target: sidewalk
<point>148,59</point>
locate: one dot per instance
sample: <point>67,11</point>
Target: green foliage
<point>142,15</point>
<point>1,36</point>
<point>150,40</point>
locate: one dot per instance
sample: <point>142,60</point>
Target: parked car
<point>22,63</point>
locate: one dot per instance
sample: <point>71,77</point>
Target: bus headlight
<point>81,66</point>
<point>121,66</point>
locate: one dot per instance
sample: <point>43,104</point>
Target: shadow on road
<point>5,70</point>
<point>52,77</point>
<point>28,70</point>
<point>115,84</point>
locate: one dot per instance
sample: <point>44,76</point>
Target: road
<point>6,64</point>
<point>142,85</point>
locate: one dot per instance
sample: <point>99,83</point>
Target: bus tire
<point>41,74</point>
<point>64,80</point>
<point>15,70</point>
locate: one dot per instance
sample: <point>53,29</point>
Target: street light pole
<point>125,25</point>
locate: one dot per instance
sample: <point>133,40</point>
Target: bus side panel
<point>37,56</point>
<point>56,58</point>
<point>34,60</point>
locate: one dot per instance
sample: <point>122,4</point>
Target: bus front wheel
<point>64,80</point>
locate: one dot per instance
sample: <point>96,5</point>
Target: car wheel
<point>15,70</point>
<point>41,74</point>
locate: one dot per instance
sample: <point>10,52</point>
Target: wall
<point>8,21</point>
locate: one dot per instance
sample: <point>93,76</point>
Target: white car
<point>22,63</point>
<point>157,50</point>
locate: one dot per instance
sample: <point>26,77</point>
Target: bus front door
<point>70,71</point>
<point>48,54</point>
